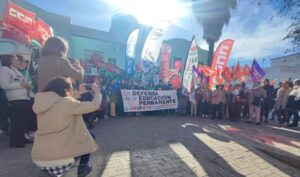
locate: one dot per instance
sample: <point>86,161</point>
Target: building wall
<point>284,68</point>
<point>283,73</point>
<point>180,49</point>
<point>291,60</point>
<point>109,49</point>
<point>81,39</point>
<point>7,46</point>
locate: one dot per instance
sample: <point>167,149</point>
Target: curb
<point>280,155</point>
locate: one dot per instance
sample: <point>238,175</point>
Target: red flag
<point>246,71</point>
<point>233,73</point>
<point>221,57</point>
<point>238,71</point>
<point>42,31</point>
<point>227,74</point>
<point>208,71</point>
<point>219,77</point>
<point>19,23</point>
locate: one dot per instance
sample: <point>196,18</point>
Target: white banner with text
<point>149,100</point>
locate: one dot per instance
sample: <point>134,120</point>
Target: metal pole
<point>31,60</point>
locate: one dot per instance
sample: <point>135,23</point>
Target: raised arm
<point>77,107</point>
<point>70,71</point>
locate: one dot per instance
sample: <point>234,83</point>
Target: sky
<point>257,31</point>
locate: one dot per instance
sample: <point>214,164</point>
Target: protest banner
<point>221,58</point>
<point>130,52</point>
<point>257,73</point>
<point>191,61</point>
<point>18,23</point>
<point>165,61</point>
<point>42,31</point>
<point>154,41</point>
<point>149,100</point>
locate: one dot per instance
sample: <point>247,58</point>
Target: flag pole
<point>29,63</point>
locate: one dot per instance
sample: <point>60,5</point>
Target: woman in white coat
<point>18,93</point>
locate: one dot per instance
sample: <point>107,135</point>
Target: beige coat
<point>61,131</point>
<point>55,66</point>
<point>281,98</point>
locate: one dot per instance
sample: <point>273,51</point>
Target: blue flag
<point>257,73</point>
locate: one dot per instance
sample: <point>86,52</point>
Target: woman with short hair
<point>54,62</point>
<point>62,135</point>
<point>18,93</point>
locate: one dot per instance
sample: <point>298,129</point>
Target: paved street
<point>175,146</point>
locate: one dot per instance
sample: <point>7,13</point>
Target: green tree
<point>213,15</point>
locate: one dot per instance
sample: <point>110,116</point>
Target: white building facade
<point>286,68</point>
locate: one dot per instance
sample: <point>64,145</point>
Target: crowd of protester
<point>258,104</point>
<point>56,113</point>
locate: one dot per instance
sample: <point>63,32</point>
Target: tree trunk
<point>211,50</point>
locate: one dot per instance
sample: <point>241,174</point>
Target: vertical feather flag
<point>221,58</point>
<point>154,41</point>
<point>191,61</point>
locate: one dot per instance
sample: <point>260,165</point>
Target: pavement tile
<point>131,147</point>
